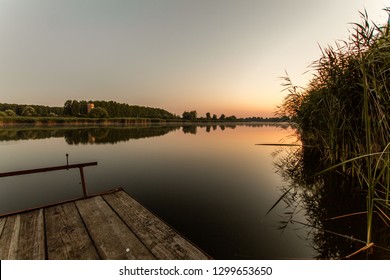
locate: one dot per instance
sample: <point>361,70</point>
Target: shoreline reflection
<point>111,134</point>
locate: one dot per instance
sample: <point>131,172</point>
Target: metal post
<point>83,182</point>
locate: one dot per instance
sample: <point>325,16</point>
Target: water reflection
<point>86,135</point>
<point>334,208</point>
<point>112,134</point>
<point>192,129</point>
<point>213,187</point>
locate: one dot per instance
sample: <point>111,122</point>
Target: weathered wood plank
<point>6,237</point>
<point>111,236</point>
<point>66,235</point>
<point>2,223</point>
<point>23,237</point>
<point>161,239</point>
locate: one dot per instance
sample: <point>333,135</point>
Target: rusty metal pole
<point>55,168</point>
<point>46,169</point>
<point>83,182</point>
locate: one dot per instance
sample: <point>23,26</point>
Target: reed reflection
<point>335,210</point>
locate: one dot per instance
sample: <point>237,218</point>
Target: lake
<point>211,183</point>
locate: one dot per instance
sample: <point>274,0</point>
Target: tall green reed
<point>345,111</point>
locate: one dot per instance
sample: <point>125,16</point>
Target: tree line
<point>193,116</point>
<point>112,109</point>
<point>75,108</point>
<point>29,110</point>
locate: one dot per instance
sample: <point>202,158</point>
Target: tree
<point>191,116</point>
<point>28,111</point>
<point>232,118</point>
<point>75,108</point>
<point>214,117</point>
<point>208,116</point>
<point>83,108</point>
<point>10,113</point>
<point>222,117</point>
<point>68,108</point>
<point>98,112</point>
<point>72,108</point>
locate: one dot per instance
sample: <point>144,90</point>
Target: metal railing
<point>80,166</point>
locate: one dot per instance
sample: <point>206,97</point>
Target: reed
<point>345,111</point>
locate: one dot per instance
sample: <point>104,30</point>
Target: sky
<point>217,56</point>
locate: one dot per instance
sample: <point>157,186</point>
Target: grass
<point>345,112</point>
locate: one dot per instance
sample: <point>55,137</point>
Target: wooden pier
<point>110,226</point>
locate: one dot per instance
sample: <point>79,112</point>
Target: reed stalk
<point>345,111</point>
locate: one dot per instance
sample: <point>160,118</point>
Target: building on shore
<point>90,106</point>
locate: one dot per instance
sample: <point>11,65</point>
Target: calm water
<point>211,183</point>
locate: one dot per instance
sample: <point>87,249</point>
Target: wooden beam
<point>112,238</point>
<point>66,235</point>
<point>161,239</point>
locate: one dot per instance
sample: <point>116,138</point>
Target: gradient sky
<point>218,56</point>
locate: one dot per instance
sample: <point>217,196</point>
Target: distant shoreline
<point>74,121</point>
<point>48,121</point>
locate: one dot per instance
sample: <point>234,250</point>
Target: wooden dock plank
<point>2,223</point>
<point>6,237</point>
<point>112,238</point>
<point>23,237</point>
<point>66,235</point>
<point>107,226</point>
<point>161,239</point>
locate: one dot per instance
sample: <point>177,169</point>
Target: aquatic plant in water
<point>345,111</point>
